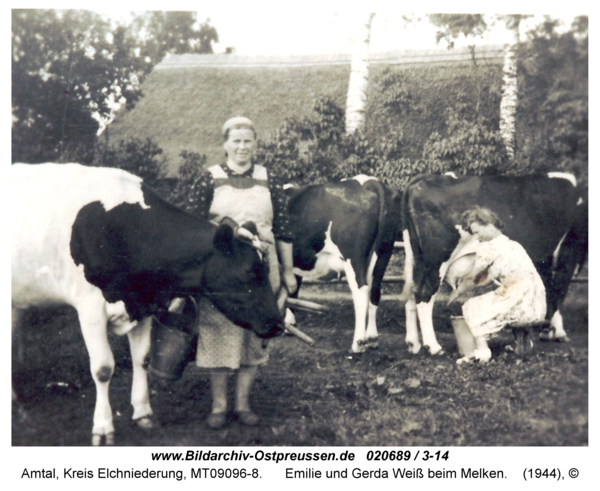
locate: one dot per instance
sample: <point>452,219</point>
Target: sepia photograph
<point>241,228</point>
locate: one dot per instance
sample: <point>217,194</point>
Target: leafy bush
<point>470,148</point>
<point>553,109</point>
<point>434,120</point>
<point>316,150</point>
<point>415,103</point>
<point>184,193</point>
<point>140,157</point>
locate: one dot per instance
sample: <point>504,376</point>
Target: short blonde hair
<point>237,123</point>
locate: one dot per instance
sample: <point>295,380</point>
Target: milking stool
<point>524,335</point>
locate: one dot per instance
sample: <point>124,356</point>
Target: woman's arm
<point>283,232</point>
<point>285,251</point>
<point>477,277</point>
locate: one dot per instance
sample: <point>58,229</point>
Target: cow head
<point>237,281</point>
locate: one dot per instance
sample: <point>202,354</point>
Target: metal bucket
<point>172,341</point>
<point>464,338</point>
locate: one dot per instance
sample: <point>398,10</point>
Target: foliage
<point>414,104</point>
<point>447,119</point>
<point>61,75</point>
<point>418,121</point>
<point>139,157</point>
<point>308,150</point>
<point>470,147</point>
<point>70,68</point>
<point>183,194</point>
<point>552,112</point>
<point>471,26</point>
<point>451,26</point>
<point>172,32</point>
<point>317,149</point>
<point>553,107</point>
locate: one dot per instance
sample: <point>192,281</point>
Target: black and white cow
<point>347,227</point>
<point>545,214</point>
<point>101,241</point>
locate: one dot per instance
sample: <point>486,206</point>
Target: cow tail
<point>410,244</point>
<point>571,256</point>
<point>383,245</point>
<point>378,188</point>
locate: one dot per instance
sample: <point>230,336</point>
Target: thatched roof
<point>187,98</point>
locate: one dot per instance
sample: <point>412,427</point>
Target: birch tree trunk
<point>508,104</point>
<point>359,79</point>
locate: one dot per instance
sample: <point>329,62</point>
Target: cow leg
<point>412,330</point>
<point>93,320</point>
<point>425,312</point>
<point>360,299</point>
<point>421,313</point>
<point>139,343</point>
<point>410,307</point>
<point>557,331</point>
<point>372,334</point>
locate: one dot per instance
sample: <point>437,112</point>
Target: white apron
<point>221,343</point>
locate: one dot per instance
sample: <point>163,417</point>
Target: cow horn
<point>247,236</point>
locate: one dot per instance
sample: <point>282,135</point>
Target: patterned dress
<point>253,196</point>
<point>520,296</point>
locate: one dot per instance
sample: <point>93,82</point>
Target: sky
<point>307,27</point>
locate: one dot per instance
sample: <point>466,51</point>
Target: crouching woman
<point>520,296</point>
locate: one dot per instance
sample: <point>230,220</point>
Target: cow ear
<point>224,238</point>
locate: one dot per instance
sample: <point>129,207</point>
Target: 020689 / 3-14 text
<point>407,455</point>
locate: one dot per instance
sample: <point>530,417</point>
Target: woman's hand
<point>289,280</point>
<point>462,287</point>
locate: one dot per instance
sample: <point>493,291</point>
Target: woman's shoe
<point>466,359</point>
<point>483,355</point>
<point>216,421</point>
<point>480,355</point>
<point>247,418</point>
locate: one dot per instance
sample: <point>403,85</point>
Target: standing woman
<point>520,296</point>
<point>245,192</point>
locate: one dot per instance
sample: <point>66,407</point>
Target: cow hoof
<point>109,439</point>
<point>360,346</point>
<point>372,343</point>
<point>551,336</point>
<point>413,348</point>
<point>145,422</point>
<point>437,351</point>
